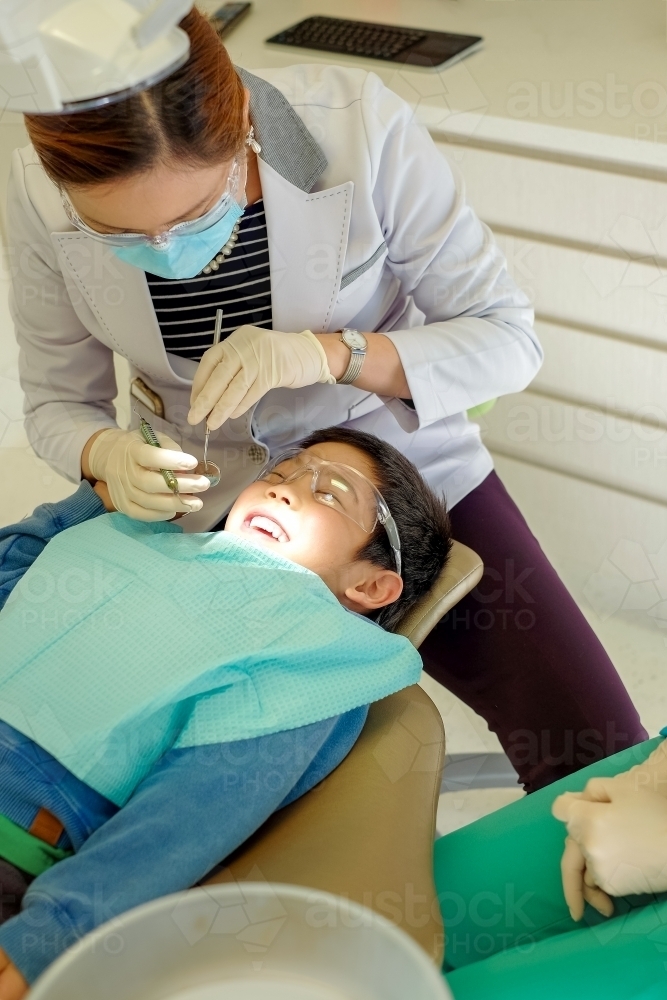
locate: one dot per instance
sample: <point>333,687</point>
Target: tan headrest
<point>463,572</point>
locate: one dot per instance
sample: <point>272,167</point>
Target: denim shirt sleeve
<point>21,543</point>
<point>195,807</point>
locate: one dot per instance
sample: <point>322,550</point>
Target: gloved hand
<point>130,468</point>
<point>649,776</point>
<point>235,374</point>
<point>616,844</point>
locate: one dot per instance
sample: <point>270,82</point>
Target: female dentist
<point>297,200</point>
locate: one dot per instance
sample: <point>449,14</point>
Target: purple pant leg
<point>520,653</point>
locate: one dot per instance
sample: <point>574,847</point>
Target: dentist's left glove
<point>616,844</point>
<point>131,470</point>
<point>235,374</point>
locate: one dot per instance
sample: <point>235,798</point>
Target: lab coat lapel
<point>117,295</point>
<point>308,236</point>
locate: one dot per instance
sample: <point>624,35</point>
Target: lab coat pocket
<point>365,276</point>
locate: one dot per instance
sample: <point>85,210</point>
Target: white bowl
<point>245,941</point>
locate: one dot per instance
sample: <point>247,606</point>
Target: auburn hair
<point>195,116</point>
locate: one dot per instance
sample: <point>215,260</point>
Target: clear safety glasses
<point>234,188</point>
<point>340,487</point>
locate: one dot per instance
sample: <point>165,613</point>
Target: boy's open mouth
<point>267,526</point>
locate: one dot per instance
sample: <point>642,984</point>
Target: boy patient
<point>162,694</point>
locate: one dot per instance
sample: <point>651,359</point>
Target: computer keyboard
<point>376,41</point>
<point>355,38</point>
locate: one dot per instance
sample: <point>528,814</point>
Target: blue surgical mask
<point>183,256</point>
<point>184,249</point>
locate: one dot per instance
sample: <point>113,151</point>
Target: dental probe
<point>216,340</point>
<point>148,434</point>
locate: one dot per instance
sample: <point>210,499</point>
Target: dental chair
<point>367,830</point>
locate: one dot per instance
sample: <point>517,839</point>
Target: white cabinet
<point>584,449</point>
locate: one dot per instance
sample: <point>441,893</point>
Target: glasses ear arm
<point>389,525</point>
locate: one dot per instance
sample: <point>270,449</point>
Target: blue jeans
<point>195,807</point>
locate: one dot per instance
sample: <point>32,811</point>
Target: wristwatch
<point>358,346</point>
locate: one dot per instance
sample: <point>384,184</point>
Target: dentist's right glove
<point>235,374</point>
<point>616,844</point>
<point>130,468</point>
<point>649,776</point>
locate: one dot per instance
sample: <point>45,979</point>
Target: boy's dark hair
<point>421,518</point>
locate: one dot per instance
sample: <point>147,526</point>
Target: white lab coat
<point>378,237</point>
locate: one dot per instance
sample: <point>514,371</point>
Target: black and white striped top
<point>185,308</point>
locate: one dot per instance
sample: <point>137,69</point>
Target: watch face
<point>354,340</point>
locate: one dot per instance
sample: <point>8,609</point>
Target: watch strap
<point>353,370</point>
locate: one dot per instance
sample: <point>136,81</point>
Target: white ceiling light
<point>68,55</point>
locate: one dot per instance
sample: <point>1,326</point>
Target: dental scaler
<point>149,436</point>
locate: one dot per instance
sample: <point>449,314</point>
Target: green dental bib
<point>125,639</point>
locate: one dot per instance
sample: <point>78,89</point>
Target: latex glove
<point>12,984</point>
<point>235,374</point>
<point>130,468</point>
<point>616,845</point>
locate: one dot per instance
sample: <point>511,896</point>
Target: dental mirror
<point>208,469</point>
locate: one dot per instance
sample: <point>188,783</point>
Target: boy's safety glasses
<point>234,187</point>
<point>340,487</point>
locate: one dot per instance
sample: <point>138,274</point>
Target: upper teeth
<point>266,524</point>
